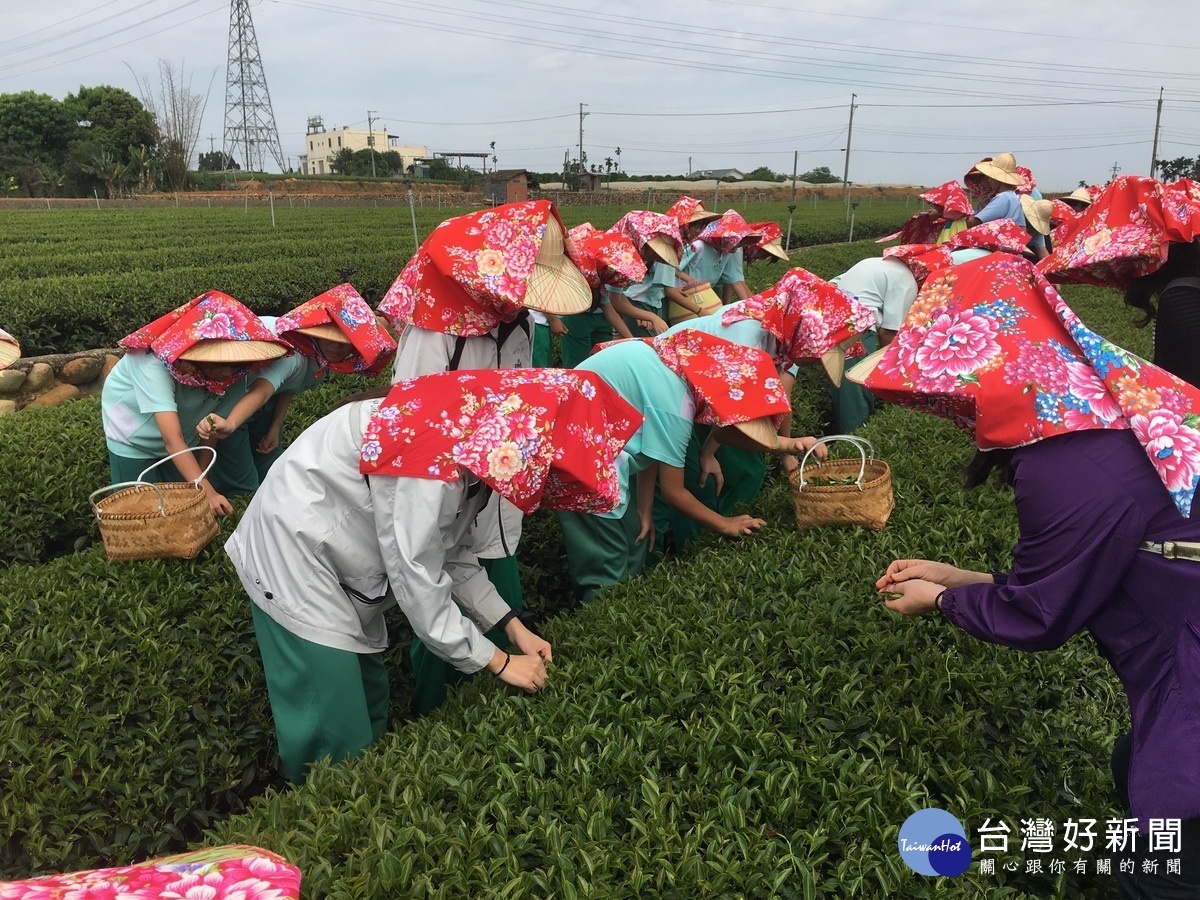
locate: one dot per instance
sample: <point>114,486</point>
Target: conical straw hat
<point>556,285</point>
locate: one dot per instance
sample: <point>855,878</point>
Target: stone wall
<point>51,380</point>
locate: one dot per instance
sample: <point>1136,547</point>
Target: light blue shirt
<point>650,294</point>
<point>634,371</point>
<point>706,263</point>
<point>1007,205</point>
<point>747,332</point>
<point>141,385</point>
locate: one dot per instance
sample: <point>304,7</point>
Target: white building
<point>321,146</point>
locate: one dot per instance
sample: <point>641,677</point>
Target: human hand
<point>524,671</point>
<point>220,506</point>
<point>268,442</point>
<point>916,597</point>
<point>740,526</point>
<point>710,465</point>
<point>647,528</point>
<point>526,641</point>
<point>557,326</point>
<point>902,570</point>
<point>800,445</point>
<point>653,323</point>
<point>214,426</point>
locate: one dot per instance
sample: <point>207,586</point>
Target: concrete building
<point>321,145</point>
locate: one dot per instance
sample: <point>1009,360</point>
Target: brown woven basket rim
<point>870,478</point>
<point>165,487</point>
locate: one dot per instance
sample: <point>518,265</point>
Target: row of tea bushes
<point>749,721</point>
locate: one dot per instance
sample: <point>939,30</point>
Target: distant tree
<point>1180,167</point>
<point>113,118</point>
<point>393,163</point>
<point>819,175</point>
<point>342,162</point>
<point>217,161</point>
<point>177,111</point>
<point>762,173</point>
<point>440,170</point>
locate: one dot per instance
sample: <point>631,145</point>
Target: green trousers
<point>255,429</point>
<point>325,702</point>
<point>541,346</point>
<point>430,673</point>
<point>233,474</point>
<point>584,330</point>
<point>852,403</point>
<point>601,551</point>
<point>743,472</point>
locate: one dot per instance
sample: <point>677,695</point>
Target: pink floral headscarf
<point>683,209</point>
<point>538,437</point>
<point>992,346</point>
<point>998,236</point>
<point>210,317</point>
<point>805,314</point>
<point>1028,183</point>
<point>346,310</point>
<point>1125,233</point>
<point>250,873</point>
<point>728,233</point>
<point>642,224</point>
<point>606,257</point>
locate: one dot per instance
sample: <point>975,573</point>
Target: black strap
<point>460,344</point>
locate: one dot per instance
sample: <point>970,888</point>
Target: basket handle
<point>864,447</point>
<point>162,499</point>
<point>203,475</point>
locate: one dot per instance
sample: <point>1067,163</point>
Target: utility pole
<point>371,137</point>
<point>582,158</point>
<point>846,170</point>
<point>1157,122</point>
<point>792,205</point>
<point>1115,169</point>
<point>689,167</point>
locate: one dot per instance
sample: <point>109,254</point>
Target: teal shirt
<point>747,332</point>
<point>706,263</point>
<point>634,371</point>
<point>141,385</point>
<point>651,293</point>
<point>292,374</point>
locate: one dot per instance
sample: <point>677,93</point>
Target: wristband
<point>937,601</point>
<point>507,660</point>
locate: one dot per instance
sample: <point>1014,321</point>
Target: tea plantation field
<point>747,721</point>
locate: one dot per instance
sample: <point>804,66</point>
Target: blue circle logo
<point>933,842</point>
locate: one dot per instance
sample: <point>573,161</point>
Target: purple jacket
<point>1085,501</point>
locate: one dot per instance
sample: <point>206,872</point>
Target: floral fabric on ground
<point>807,315</point>
<point>606,257</point>
<point>345,309</point>
<point>209,317</point>
<point>234,872</point>
<point>472,272</point>
<point>991,345</point>
<point>730,383</point>
<point>1124,234</point>
<point>538,437</point>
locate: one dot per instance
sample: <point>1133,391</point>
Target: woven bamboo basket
<point>144,520</point>
<point>867,502</point>
<point>700,293</point>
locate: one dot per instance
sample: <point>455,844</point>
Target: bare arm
<point>674,492</point>
<point>214,426</point>
<point>187,464</point>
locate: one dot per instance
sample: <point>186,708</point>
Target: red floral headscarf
<point>731,383</point>
<point>728,233</point>
<point>1062,220</point>
<point>1028,182</point>
<point>991,345</point>
<point>769,233</point>
<point>473,272</point>
<point>807,315</point>
<point>641,225</point>
<point>998,236</point>
<point>606,257</point>
<point>950,202</point>
<point>1124,234</point>
<point>538,437</point>
<point>343,308</point>
<point>683,209</point>
<point>210,317</point>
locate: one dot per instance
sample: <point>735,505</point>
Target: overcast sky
<point>1071,87</point>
